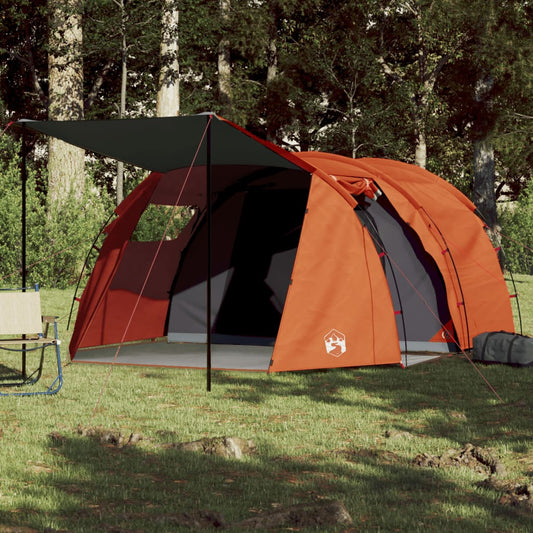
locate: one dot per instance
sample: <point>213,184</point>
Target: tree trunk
<point>272,74</point>
<point>123,89</point>
<point>224,64</point>
<point>484,191</point>
<point>66,167</point>
<point>484,181</point>
<point>484,185</point>
<point>168,95</point>
<point>421,144</point>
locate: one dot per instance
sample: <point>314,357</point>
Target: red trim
<point>293,158</point>
<point>7,127</point>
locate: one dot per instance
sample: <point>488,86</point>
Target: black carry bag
<point>503,347</point>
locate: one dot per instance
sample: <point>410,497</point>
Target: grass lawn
<point>349,435</point>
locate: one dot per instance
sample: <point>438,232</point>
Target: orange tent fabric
<point>451,233</point>
<point>338,290</point>
<point>102,315</point>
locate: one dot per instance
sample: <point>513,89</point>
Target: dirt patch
<point>317,515</point>
<point>394,434</point>
<point>482,461</point>
<point>473,457</point>
<point>510,493</point>
<point>235,447</point>
<point>197,520</point>
<point>294,517</point>
<point>110,437</point>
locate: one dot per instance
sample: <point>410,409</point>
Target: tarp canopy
<point>166,143</point>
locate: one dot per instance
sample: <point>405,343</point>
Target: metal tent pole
<point>24,179</point>
<point>209,223</point>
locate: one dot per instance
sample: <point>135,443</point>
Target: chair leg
<point>55,385</point>
<point>23,364</point>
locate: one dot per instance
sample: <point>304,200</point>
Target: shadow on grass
<point>448,398</point>
<point>97,487</point>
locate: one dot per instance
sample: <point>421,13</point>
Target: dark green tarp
<point>163,144</point>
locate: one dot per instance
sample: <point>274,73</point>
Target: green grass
<point>319,436</point>
<point>523,286</point>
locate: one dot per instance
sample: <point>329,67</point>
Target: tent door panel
<point>416,285</point>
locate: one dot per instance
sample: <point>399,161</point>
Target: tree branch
<point>389,71</point>
<point>31,65</point>
<point>97,84</point>
<point>521,115</point>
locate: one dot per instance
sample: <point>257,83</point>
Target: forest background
<point>444,84</point>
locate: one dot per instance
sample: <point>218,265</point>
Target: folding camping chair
<point>24,330</point>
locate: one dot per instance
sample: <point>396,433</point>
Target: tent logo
<point>335,343</point>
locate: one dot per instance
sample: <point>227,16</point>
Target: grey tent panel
<point>416,286</point>
<point>280,262</point>
<point>187,322</point>
<point>426,346</point>
<point>411,359</point>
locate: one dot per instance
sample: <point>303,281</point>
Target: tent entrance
<point>416,285</point>
<point>255,234</point>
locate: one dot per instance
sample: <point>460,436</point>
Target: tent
<point>290,261</point>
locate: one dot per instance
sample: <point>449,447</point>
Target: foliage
<point>107,28</point>
<point>329,89</point>
<point>496,52</point>
<point>66,238</point>
<point>23,30</point>
<point>161,221</point>
<point>56,243</point>
<point>517,233</point>
<point>11,214</point>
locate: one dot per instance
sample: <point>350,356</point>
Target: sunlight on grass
<point>523,286</point>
